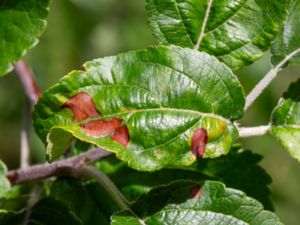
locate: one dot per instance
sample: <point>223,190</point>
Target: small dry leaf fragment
<point>82,106</point>
<point>199,141</point>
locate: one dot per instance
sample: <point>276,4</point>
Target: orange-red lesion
<point>83,107</point>
<point>196,192</point>
<point>199,141</point>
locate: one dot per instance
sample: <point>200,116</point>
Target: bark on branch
<point>58,168</point>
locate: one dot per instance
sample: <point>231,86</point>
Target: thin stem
<point>32,93</point>
<point>261,86</point>
<point>62,167</point>
<point>254,131</point>
<point>202,31</point>
<point>28,82</point>
<point>106,183</point>
<point>34,197</point>
<point>24,145</point>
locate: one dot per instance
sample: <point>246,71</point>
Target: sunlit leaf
<point>288,39</point>
<point>191,203</point>
<point>155,107</point>
<point>286,120</point>
<point>238,32</point>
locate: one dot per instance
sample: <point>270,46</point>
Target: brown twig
<point>58,168</point>
<point>24,139</point>
<point>32,93</point>
<point>28,82</point>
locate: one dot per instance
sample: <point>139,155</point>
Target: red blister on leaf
<point>199,141</point>
<point>101,127</point>
<point>196,192</point>
<point>121,135</point>
<point>82,106</point>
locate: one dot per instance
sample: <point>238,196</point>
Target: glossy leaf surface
<point>240,170</point>
<point>21,23</point>
<point>286,120</point>
<point>237,32</point>
<point>288,39</point>
<point>145,106</point>
<point>191,203</point>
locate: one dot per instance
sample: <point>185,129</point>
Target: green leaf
<point>145,106</point>
<point>239,169</point>
<point>231,169</point>
<point>103,200</point>
<point>238,32</point>
<point>286,120</point>
<point>16,198</point>
<point>11,218</point>
<point>288,39</point>
<point>134,183</point>
<point>49,211</point>
<point>21,23</point>
<point>190,203</point>
<point>4,182</point>
<point>78,200</point>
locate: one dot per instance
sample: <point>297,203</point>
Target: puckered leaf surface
<point>288,39</point>
<point>155,107</point>
<point>21,23</point>
<point>190,203</point>
<point>237,31</point>
<point>286,120</point>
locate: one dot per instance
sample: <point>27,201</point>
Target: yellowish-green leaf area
<point>194,203</point>
<point>21,23</point>
<point>288,39</point>
<point>238,32</point>
<point>286,120</point>
<point>146,107</point>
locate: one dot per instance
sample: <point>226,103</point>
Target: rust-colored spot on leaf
<point>199,141</point>
<point>196,192</point>
<point>82,106</point>
<point>121,135</point>
<point>101,127</point>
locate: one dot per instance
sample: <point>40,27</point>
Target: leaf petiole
<point>269,77</point>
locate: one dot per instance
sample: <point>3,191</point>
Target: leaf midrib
<point>225,21</point>
<point>166,109</point>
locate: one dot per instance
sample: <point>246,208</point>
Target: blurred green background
<point>81,30</point>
